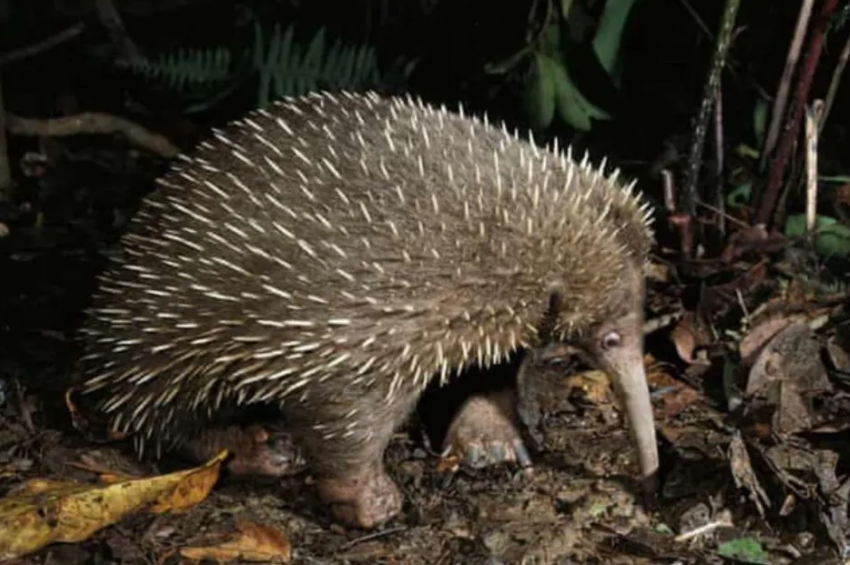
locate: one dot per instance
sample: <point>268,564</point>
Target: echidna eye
<point>610,340</point>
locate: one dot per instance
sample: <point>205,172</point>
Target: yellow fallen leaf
<point>255,542</point>
<point>191,487</point>
<point>42,511</point>
<point>592,385</point>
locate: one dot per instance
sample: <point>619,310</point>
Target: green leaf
<point>740,195</point>
<point>745,150</point>
<point>759,120</point>
<point>540,93</point>
<point>609,34</point>
<point>572,106</point>
<point>743,550</point>
<point>550,40</point>
<point>833,238</point>
<point>841,179</point>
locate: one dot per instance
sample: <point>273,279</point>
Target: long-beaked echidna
<point>335,254</point>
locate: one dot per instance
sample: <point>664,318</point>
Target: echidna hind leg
<point>254,450</point>
<point>484,432</point>
<point>346,451</point>
<point>363,496</point>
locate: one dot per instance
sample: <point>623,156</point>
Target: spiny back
<point>352,238</point>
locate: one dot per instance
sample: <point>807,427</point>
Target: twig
<point>792,129</point>
<point>111,19</point>
<point>777,114</point>
<point>718,155</point>
<point>374,535</point>
<point>723,522</point>
<point>41,46</point>
<point>834,83</point>
<point>726,216</point>
<point>92,123</point>
<point>813,119</point>
<point>688,203</point>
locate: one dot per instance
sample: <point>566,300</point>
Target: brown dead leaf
<point>787,374</point>
<point>838,355</point>
<point>673,396</point>
<point>79,421</point>
<point>757,337</point>
<point>255,542</point>
<point>43,511</point>
<point>777,314</point>
<point>689,335</point>
<point>742,472</point>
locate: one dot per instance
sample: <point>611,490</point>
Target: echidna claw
<point>483,433</point>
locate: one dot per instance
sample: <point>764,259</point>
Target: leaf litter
<point>749,385</point>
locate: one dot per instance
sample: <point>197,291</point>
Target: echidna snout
<point>616,347</point>
<point>334,255</point>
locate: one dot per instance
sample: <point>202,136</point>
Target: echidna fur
<point>342,247</point>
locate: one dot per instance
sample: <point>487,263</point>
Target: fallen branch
<point>92,123</point>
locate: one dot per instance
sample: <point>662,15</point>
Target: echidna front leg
<point>254,450</point>
<point>345,445</point>
<point>484,432</point>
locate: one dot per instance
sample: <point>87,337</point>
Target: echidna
<point>335,254</point>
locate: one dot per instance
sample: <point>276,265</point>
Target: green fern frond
<point>285,71</point>
<point>183,68</point>
<point>284,68</point>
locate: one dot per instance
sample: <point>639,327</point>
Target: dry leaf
<point>687,336</point>
<point>787,375</point>
<point>255,542</point>
<point>43,511</point>
<point>593,386</point>
<point>759,335</point>
<point>191,487</point>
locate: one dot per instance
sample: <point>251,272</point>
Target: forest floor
<point>756,484</point>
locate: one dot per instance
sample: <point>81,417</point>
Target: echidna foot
<point>483,432</point>
<point>365,500</point>
<point>254,451</point>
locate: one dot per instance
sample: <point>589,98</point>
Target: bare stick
<point>813,118</point>
<point>718,154</point>
<point>41,46</point>
<point>689,202</point>
<point>111,19</point>
<point>777,114</point>
<point>91,123</point>
<point>834,83</point>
